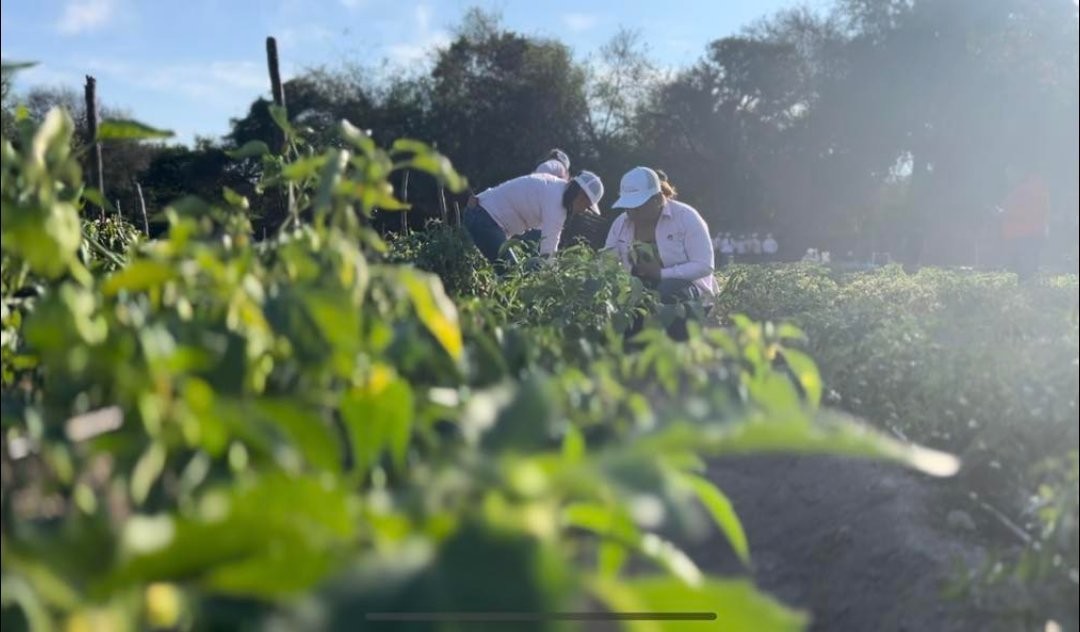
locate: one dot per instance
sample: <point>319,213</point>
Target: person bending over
<point>531,202</point>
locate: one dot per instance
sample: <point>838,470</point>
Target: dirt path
<point>861,545</point>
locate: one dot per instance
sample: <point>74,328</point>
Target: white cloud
<point>579,22</point>
<point>424,38</point>
<point>222,82</point>
<point>298,35</point>
<point>45,75</point>
<point>82,16</point>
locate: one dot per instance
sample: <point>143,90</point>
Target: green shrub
<point>967,361</point>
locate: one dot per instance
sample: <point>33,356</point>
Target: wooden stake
<point>405,199</point>
<point>97,172</point>
<point>142,207</point>
<point>277,90</point>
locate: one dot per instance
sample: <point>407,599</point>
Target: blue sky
<point>189,66</point>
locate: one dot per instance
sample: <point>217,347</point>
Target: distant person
<point>531,202</point>
<point>727,250</point>
<point>811,255</point>
<point>555,163</point>
<point>682,261</point>
<point>741,246</point>
<point>769,247</point>
<point>1025,215</point>
<point>754,247</point>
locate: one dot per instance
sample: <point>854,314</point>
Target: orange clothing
<point>1026,209</point>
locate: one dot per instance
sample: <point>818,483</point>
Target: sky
<point>191,65</point>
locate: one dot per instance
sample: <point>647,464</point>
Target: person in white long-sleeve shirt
<point>684,262</point>
<point>526,203</point>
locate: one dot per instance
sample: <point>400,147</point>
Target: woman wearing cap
<point>683,267</point>
<point>535,201</point>
<point>555,163</point>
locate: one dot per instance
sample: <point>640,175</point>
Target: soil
<point>860,545</point>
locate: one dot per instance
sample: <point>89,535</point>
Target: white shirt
<point>553,168</point>
<point>726,247</point>
<point>526,203</point>
<point>682,239</point>
<point>769,246</point>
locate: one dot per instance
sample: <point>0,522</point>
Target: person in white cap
<point>534,201</point>
<point>683,267</point>
<point>555,163</point>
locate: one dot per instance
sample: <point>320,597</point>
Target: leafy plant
<point>211,427</point>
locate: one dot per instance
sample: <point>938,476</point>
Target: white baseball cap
<point>560,155</point>
<point>637,187</point>
<point>592,186</point>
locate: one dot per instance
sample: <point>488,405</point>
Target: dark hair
<point>557,155</point>
<point>570,194</point>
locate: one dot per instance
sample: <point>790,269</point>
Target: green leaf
<point>139,276</point>
<point>612,522</point>
<point>525,423</point>
<point>126,129</point>
<point>146,472</point>
<point>379,417</point>
<point>806,372</point>
<point>268,537</point>
<point>303,425</point>
<point>329,178</point>
<point>773,391</point>
<point>357,138</point>
<point>573,446</point>
<point>787,331</point>
<point>607,521</point>
<point>235,199</point>
<point>723,513</point>
<point>281,118</point>
<point>250,149</point>
<point>611,558</point>
<point>303,168</point>
<point>737,604</point>
<point>16,66</point>
<point>17,592</point>
<point>795,433</point>
<point>434,309</point>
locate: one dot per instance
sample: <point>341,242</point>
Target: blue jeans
<point>487,235</point>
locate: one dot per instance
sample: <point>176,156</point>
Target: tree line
<point>873,125</point>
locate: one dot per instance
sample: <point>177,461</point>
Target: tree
<point>124,160</point>
<point>500,99</point>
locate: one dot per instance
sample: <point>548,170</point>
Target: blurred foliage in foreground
<point>202,431</point>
